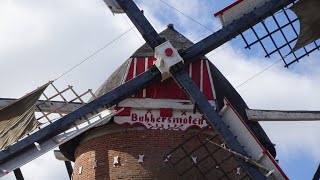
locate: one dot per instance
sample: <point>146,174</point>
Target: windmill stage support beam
<point>105,101</point>
<point>232,30</point>
<point>142,24</point>
<point>18,174</point>
<point>275,115</point>
<point>69,168</point>
<point>212,117</point>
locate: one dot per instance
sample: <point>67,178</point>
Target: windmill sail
<point>307,12</point>
<point>18,118</point>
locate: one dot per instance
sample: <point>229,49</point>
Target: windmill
<point>169,63</point>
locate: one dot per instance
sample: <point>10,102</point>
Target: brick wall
<point>153,144</point>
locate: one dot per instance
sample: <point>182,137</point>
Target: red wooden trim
<point>196,72</point>
<point>206,82</point>
<point>227,8</point>
<point>166,112</point>
<point>140,68</point>
<point>254,136</point>
<point>126,112</point>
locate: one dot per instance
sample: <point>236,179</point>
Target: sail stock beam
<point>142,24</point>
<point>277,115</point>
<point>105,101</point>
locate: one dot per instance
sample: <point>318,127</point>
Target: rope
<point>93,54</point>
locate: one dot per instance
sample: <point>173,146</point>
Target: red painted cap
<point>169,52</point>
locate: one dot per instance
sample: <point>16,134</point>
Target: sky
<point>40,40</point>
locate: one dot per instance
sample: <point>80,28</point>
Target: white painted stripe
<point>201,75</point>
<point>134,70</point>
<point>127,71</point>
<point>190,70</point>
<point>146,64</point>
<point>144,92</point>
<point>134,67</point>
<point>211,81</point>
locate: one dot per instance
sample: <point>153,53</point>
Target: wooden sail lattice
<point>211,161</point>
<point>278,34</point>
<point>56,105</point>
<point>60,102</point>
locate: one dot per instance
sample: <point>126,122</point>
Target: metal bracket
<point>114,7</point>
<point>167,56</point>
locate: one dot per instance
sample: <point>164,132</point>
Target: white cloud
<point>24,27</point>
<point>46,39</point>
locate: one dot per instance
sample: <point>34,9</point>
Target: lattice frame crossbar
<point>67,98</point>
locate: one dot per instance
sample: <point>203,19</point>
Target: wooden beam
<point>212,117</point>
<point>18,174</point>
<point>45,106</point>
<point>69,168</point>
<point>317,174</point>
<point>276,115</point>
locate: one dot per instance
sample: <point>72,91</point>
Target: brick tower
<point>158,134</point>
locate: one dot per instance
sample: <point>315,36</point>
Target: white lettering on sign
<point>151,119</point>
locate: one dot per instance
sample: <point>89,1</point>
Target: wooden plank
<point>238,9</point>
<point>148,103</point>
<point>46,106</point>
<point>276,115</point>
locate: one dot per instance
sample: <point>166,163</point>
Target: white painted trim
<point>237,11</point>
<point>144,91</point>
<point>127,71</point>
<point>149,103</point>
<point>211,81</point>
<point>134,68</point>
<point>251,145</point>
<point>152,119</point>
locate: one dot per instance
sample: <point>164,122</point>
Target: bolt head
<point>169,52</point>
